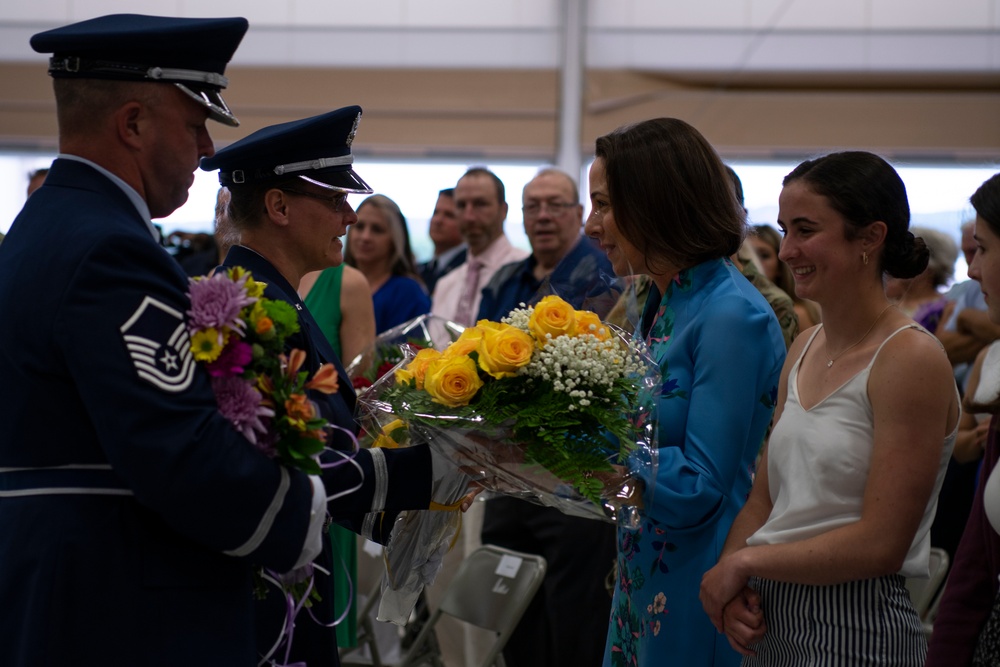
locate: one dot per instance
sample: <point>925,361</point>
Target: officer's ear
<point>276,207</point>
<point>129,120</point>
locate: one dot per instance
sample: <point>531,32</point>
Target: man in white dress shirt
<point>482,209</point>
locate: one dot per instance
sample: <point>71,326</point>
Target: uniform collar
<point>264,271</point>
<point>133,196</point>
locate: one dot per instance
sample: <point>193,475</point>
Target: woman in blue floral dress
<point>664,206</point>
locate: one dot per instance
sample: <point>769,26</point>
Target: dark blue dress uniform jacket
<point>121,487</point>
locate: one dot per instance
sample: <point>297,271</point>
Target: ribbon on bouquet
<point>293,606</point>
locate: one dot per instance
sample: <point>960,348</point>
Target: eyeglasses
<point>556,208</point>
<point>337,201</point>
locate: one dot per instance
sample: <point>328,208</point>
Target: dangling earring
<point>864,258</point>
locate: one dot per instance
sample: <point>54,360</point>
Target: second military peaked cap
<point>189,53</point>
<point>316,149</point>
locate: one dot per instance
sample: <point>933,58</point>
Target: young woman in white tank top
<point>840,511</point>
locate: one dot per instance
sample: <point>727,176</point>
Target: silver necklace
<point>830,361</point>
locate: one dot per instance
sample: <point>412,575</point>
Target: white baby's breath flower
<point>584,367</point>
<point>519,317</point>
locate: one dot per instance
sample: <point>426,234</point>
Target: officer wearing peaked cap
<point>289,185</point>
<point>314,150</point>
<point>131,512</point>
<point>190,53</point>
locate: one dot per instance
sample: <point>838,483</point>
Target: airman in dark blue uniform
<point>131,512</point>
<point>288,188</point>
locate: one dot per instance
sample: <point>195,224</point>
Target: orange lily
<point>296,358</point>
<point>299,408</point>
<point>325,380</point>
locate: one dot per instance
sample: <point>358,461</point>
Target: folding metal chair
<point>367,652</point>
<point>366,633</point>
<point>491,590</point>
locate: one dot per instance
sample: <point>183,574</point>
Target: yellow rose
<point>552,316</point>
<point>452,381</point>
<point>416,369</point>
<point>589,323</point>
<point>489,324</point>
<point>466,343</point>
<point>504,350</point>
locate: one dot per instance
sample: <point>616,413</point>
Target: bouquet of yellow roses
<point>536,406</point>
<point>539,404</point>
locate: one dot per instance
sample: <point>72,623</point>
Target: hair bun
<point>907,258</point>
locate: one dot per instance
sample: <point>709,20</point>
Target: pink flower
<point>240,403</point>
<point>233,359</point>
<point>216,302</point>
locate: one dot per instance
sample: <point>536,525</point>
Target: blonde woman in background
<point>379,246</point>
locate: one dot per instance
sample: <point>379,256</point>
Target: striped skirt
<point>856,624</point>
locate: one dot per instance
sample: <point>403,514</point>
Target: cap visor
<point>344,180</point>
<point>211,100</point>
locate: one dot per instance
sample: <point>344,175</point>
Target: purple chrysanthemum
<point>233,359</point>
<point>216,302</point>
<point>239,402</point>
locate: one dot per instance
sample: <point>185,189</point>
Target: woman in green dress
<point>339,300</point>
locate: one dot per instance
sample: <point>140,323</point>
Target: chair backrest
<point>492,588</point>
<point>923,590</point>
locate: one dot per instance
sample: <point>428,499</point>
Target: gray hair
<point>944,253</point>
<point>555,171</point>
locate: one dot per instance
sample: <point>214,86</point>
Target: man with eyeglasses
<point>556,629</point>
<point>481,206</point>
<point>562,260</point>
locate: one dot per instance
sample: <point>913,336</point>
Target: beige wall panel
<point>791,119</point>
<point>508,113</point>
<point>27,109</point>
<point>409,112</point>
<point>945,125</point>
